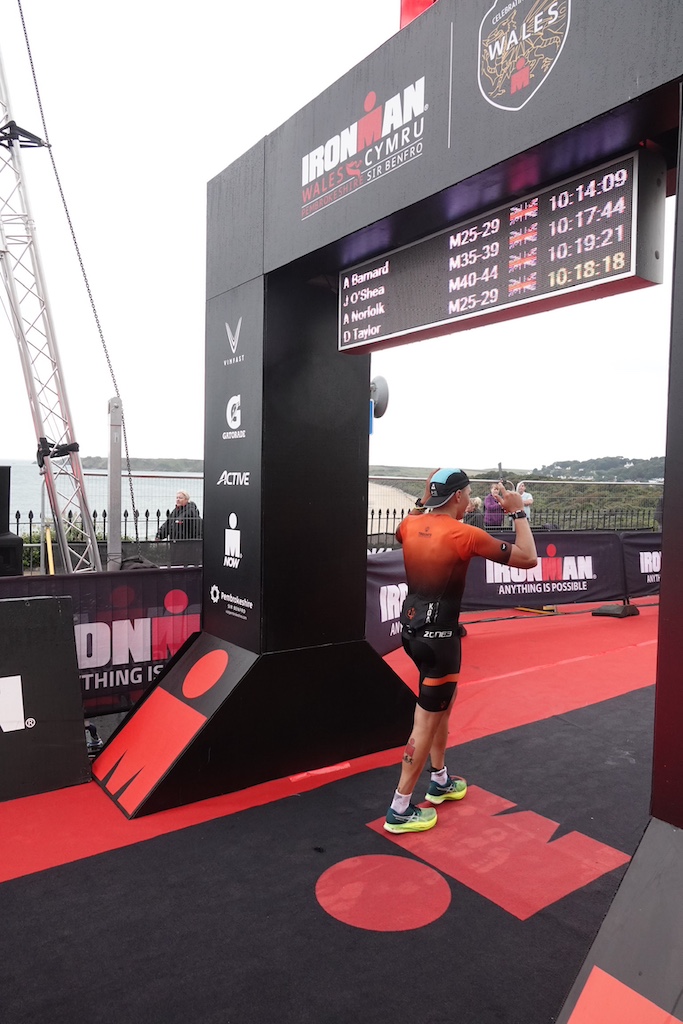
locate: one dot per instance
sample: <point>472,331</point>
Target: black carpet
<point>219,923</point>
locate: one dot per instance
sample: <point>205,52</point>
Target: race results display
<point>577,235</point>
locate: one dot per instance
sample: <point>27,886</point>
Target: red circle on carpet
<point>383,893</point>
<point>204,674</point>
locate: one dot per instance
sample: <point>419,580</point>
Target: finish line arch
<point>284,551</point>
<point>419,137</point>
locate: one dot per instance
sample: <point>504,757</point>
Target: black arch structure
<point>303,407</point>
<point>282,679</point>
<point>272,280</point>
<point>286,445</point>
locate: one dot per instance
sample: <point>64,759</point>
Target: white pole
<point>114,504</point>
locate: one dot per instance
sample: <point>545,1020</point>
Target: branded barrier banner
<point>642,563</point>
<point>127,625</point>
<point>573,567</point>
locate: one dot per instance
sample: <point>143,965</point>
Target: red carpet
<point>516,671</point>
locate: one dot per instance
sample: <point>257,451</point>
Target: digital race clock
<point>600,231</point>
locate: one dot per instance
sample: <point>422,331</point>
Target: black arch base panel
<point>42,740</point>
<point>634,964</point>
<point>221,718</point>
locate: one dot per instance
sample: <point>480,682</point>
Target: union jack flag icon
<point>522,285</point>
<point>523,259</point>
<point>529,234</point>
<point>524,211</point>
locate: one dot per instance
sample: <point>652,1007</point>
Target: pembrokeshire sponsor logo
<point>12,705</point>
<point>386,136</point>
<point>233,341</point>
<point>552,574</point>
<point>651,565</point>
<point>233,478</point>
<point>233,544</point>
<point>520,42</point>
<point>238,607</point>
<point>233,415</point>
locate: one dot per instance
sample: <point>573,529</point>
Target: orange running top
<point>437,550</point>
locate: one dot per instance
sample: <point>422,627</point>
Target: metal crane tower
<point>29,312</point>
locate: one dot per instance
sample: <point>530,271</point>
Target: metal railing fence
<point>558,505</point>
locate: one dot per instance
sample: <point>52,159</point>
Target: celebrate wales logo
<point>520,42</point>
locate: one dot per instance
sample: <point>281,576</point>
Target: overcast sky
<point>145,101</point>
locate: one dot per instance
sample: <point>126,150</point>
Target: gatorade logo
<point>12,715</point>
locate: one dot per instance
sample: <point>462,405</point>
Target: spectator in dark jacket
<point>473,513</point>
<point>184,522</point>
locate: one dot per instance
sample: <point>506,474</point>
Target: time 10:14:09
<point>612,264</point>
<point>590,189</point>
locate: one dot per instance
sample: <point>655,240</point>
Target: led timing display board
<point>602,230</point>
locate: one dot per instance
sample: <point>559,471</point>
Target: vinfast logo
<point>233,544</point>
<point>385,137</point>
<point>233,415</point>
<point>651,565</point>
<point>520,42</point>
<point>233,479</point>
<point>233,341</point>
<point>12,705</point>
<point>551,574</point>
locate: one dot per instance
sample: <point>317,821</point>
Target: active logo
<point>520,42</point>
<point>233,479</point>
<point>233,544</point>
<point>12,715</point>
<point>233,415</point>
<point>233,340</point>
<point>387,136</point>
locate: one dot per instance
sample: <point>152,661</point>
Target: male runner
<point>437,548</point>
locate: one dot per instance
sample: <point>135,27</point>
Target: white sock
<point>400,802</point>
<point>441,777</point>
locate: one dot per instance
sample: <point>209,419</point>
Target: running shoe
<point>415,819</point>
<point>454,789</point>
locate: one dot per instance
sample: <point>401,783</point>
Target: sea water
<point>152,491</point>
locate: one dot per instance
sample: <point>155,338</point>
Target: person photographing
<point>437,549</point>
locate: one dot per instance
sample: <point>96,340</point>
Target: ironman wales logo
<point>519,43</point>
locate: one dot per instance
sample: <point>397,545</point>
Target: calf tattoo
<point>409,752</point>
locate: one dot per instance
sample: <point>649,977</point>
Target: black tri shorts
<point>437,654</point>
